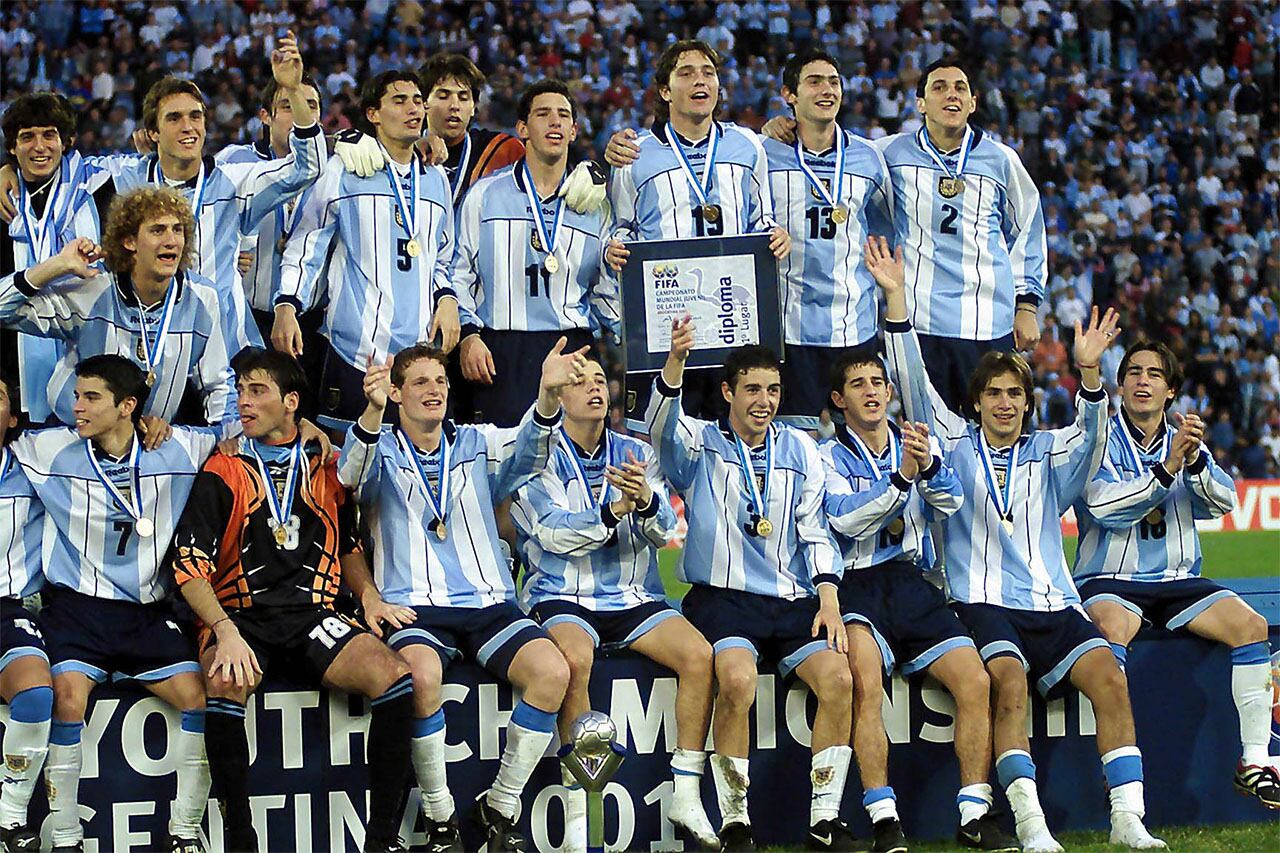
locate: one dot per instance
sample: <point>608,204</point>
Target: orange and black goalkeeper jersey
<point>491,150</point>
<point>228,537</point>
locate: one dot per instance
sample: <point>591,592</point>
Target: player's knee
<point>579,659</point>
<point>68,702</point>
<point>696,662</point>
<point>1253,629</point>
<point>834,686</point>
<point>426,687</point>
<point>972,689</point>
<point>221,687</point>
<point>736,684</point>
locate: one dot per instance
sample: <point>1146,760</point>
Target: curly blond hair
<point>127,215</point>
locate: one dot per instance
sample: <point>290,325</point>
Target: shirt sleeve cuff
<point>1093,395</point>
<point>607,518</point>
<point>1162,475</point>
<point>664,389</point>
<point>650,509</point>
<point>20,282</point>
<point>550,422</point>
<point>363,435</point>
<point>468,329</point>
<point>1028,299</point>
<point>441,293</point>
<point>899,326</point>
<point>934,467</point>
<point>832,579</point>
<point>290,300</point>
<point>900,482</point>
<point>1202,462</point>
<point>306,132</point>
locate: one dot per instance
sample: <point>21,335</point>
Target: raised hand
<point>630,479</point>
<point>1092,342</point>
<point>377,383</point>
<point>886,267</point>
<point>915,450</point>
<point>682,336</point>
<point>1194,428</point>
<point>562,368</point>
<point>79,256</point>
<point>286,334</point>
<point>286,62</point>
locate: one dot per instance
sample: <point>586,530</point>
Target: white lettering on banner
<point>122,838</point>
<point>639,725</point>
<point>1242,515</point>
<point>1055,717</point>
<point>133,738</point>
<point>766,725</point>
<point>258,807</point>
<point>896,711</point>
<point>344,822</point>
<point>454,693</point>
<point>1269,506</point>
<point>798,715</point>
<point>538,818</point>
<point>290,704</point>
<point>626,822</point>
<point>343,725</point>
<point>1088,722</point>
<point>492,720</point>
<point>939,700</point>
<point>302,821</point>
<point>95,725</point>
<point>662,795</point>
<point>413,839</point>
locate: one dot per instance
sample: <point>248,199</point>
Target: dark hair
<point>10,384</point>
<point>667,64</point>
<point>272,88</point>
<point>164,88</point>
<point>442,66</point>
<point>748,358</point>
<point>123,379</point>
<point>797,62</point>
<point>840,369</point>
<point>40,109</point>
<point>406,357</point>
<point>1173,374</point>
<point>373,90</point>
<point>543,87</point>
<point>948,61</point>
<point>995,364</point>
<point>283,369</point>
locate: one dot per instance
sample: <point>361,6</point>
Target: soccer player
<point>149,307</point>
<point>266,245</point>
<point>257,556</point>
<point>53,209</point>
<point>1139,558</point>
<point>110,510</point>
<point>764,570</point>
<point>590,529</point>
<point>1025,617</point>
<point>25,683</point>
<point>429,488</point>
<point>829,301</point>
<point>380,247</point>
<point>688,176</point>
<point>885,486</point>
<point>528,268</point>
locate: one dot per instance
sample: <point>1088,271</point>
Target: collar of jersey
<point>1137,435</point>
<point>660,131</point>
<point>124,286</point>
<point>977,137</point>
<point>843,436</point>
<point>732,436</point>
<point>517,172</point>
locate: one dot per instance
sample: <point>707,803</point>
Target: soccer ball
<point>593,734</point>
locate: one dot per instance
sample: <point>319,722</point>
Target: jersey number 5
<point>404,262</point>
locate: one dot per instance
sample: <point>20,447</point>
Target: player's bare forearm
<point>356,575</point>
<point>203,601</point>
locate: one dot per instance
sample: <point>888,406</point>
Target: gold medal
<point>413,249</point>
<point>551,264</point>
<point>839,214</point>
<point>764,527</point>
<point>1155,516</point>
<point>896,527</point>
<point>950,187</point>
<point>151,378</point>
<point>711,212</point>
<point>280,535</point>
<point>442,532</point>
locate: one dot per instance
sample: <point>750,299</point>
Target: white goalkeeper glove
<point>584,188</point>
<point>361,154</point>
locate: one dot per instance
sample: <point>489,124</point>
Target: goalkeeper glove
<point>584,188</point>
<point>361,154</point>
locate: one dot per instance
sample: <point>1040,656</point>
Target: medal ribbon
<point>408,209</point>
<point>132,508</point>
<point>42,231</point>
<point>1133,455</point>
<point>197,197</point>
<point>539,222</point>
<point>439,503</point>
<point>5,458</point>
<point>287,217</point>
<point>153,354</point>
<point>758,501</point>
<point>700,187</point>
<point>922,137</point>
<point>580,473</point>
<point>280,509</point>
<point>860,448</point>
<point>831,196</point>
<point>1003,499</point>
<point>460,176</point>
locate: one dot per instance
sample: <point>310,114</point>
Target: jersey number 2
<point>948,225</point>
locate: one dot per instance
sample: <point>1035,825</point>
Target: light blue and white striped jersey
<point>986,564</point>
<point>829,299</point>
<point>702,462</point>
<point>101,315</point>
<point>971,256</point>
<point>877,515</point>
<point>411,565</point>
<point>21,528</point>
<point>652,199</point>
<point>95,548</point>
<point>68,212</point>
<point>230,201</point>
<point>263,277</point>
<point>574,548</point>
<point>499,276</point>
<point>1137,521</point>
<point>354,240</point>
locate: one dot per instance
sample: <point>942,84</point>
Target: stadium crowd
<point>1151,129</point>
